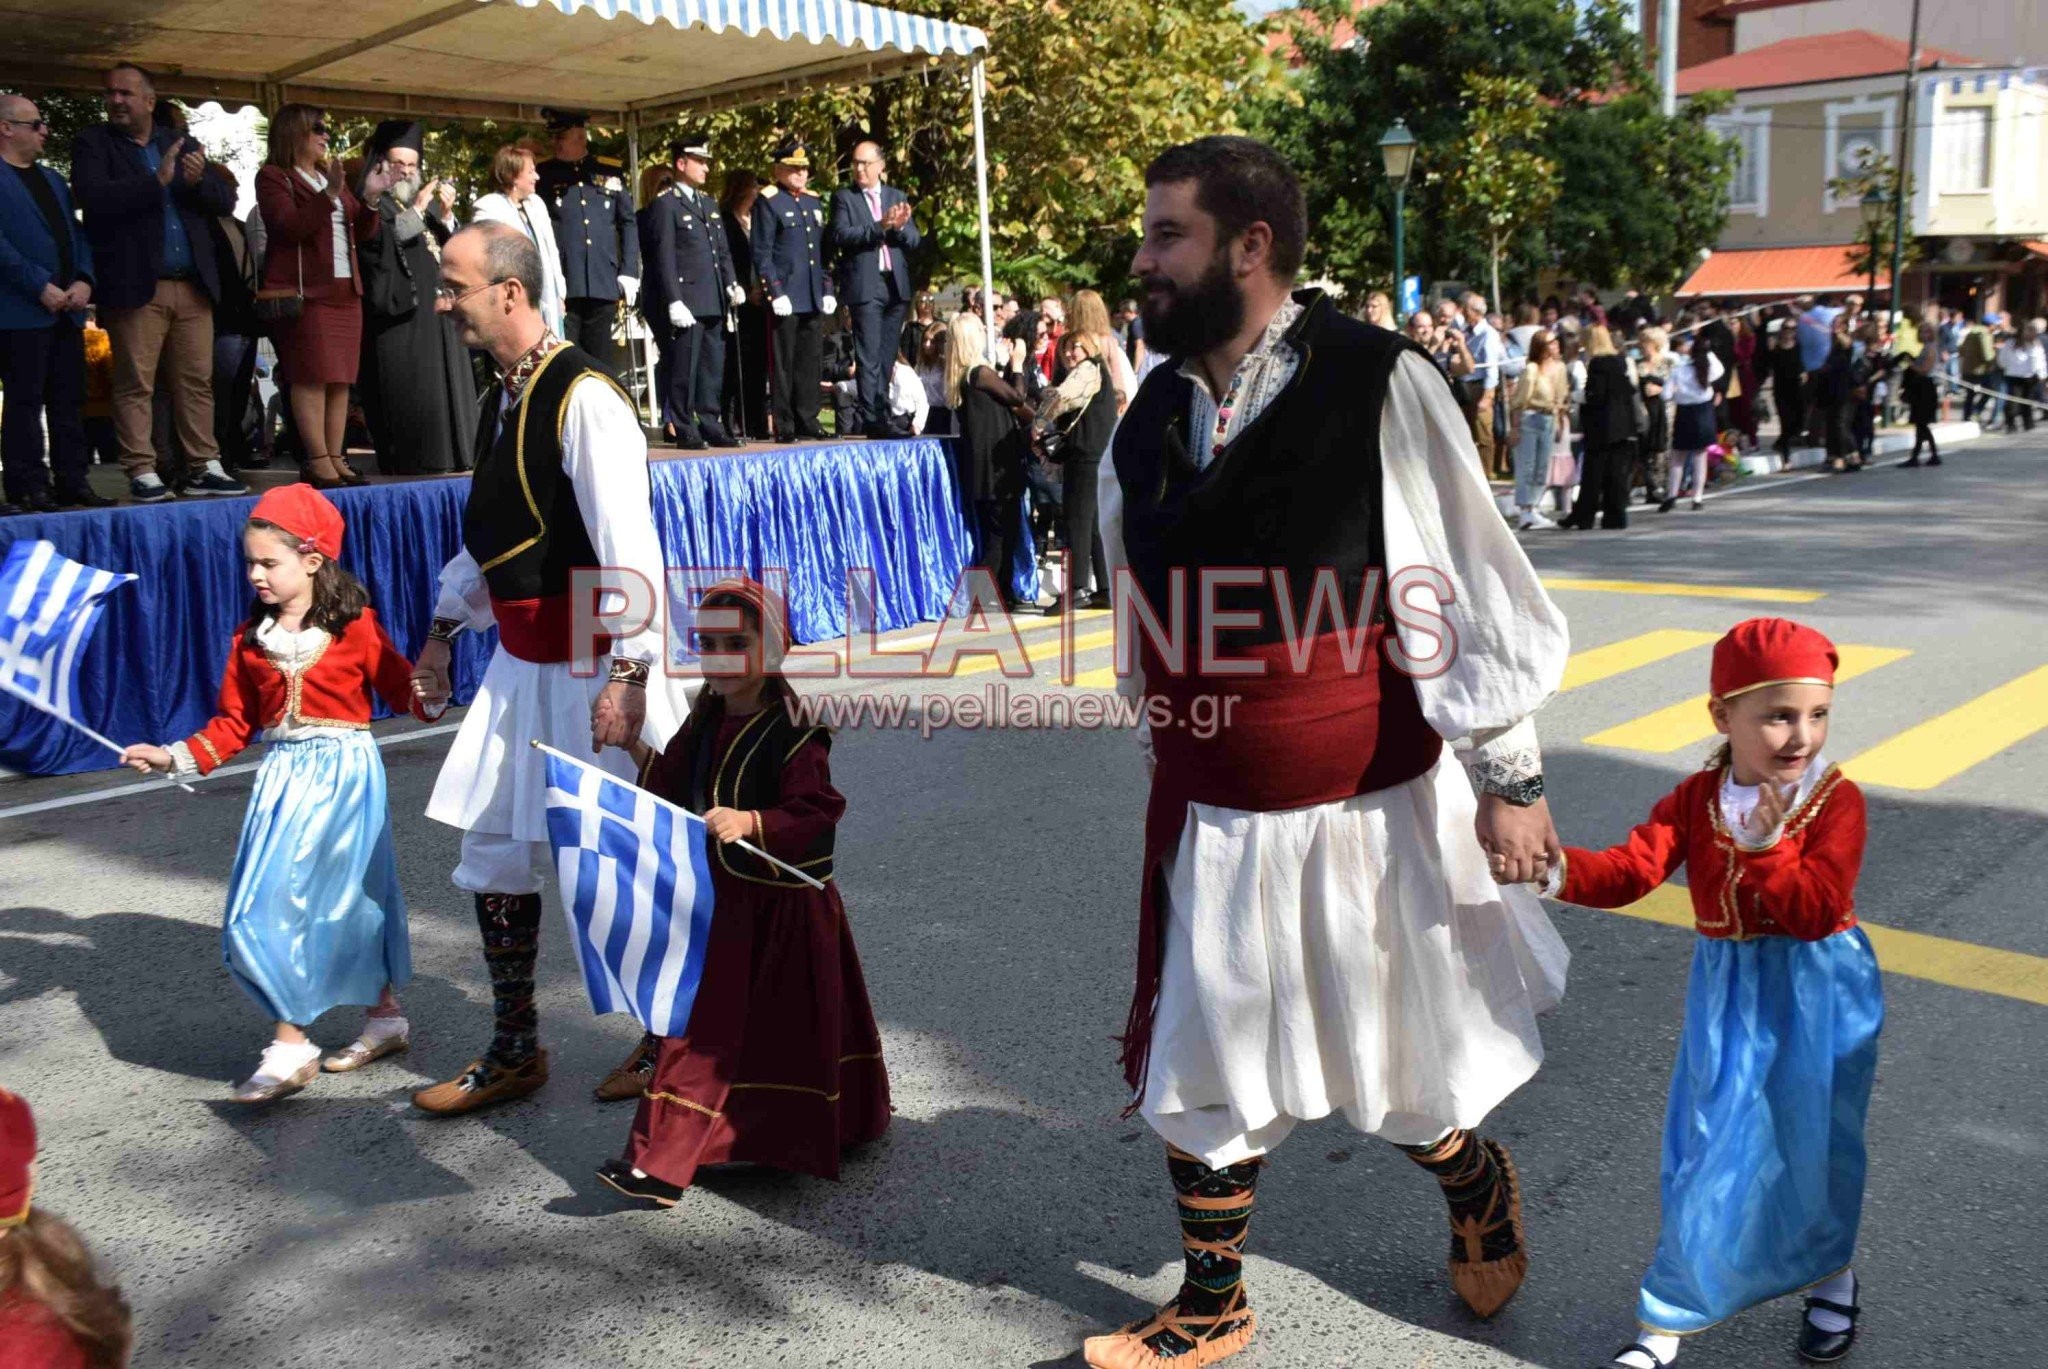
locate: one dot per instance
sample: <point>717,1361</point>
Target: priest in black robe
<point>418,391</point>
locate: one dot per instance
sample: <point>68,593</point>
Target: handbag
<point>277,305</point>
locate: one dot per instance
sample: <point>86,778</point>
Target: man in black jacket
<point>146,204</point>
<point>594,232</point>
<point>692,287</point>
<point>874,233</point>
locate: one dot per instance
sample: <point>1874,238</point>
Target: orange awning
<point>1779,271</point>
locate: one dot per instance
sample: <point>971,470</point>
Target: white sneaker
<point>1536,522</point>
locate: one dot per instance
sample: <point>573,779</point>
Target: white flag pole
<point>782,865</point>
<point>7,683</point>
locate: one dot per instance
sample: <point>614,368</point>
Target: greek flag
<point>48,606</point>
<point>636,884</point>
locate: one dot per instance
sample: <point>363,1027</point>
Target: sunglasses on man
<point>36,125</point>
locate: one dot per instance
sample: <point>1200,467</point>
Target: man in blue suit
<point>874,234</point>
<point>146,203</point>
<point>789,255</point>
<point>45,284</point>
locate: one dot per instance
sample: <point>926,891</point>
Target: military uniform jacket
<point>594,228</point>
<point>789,248</point>
<point>693,262</point>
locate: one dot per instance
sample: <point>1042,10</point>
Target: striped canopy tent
<point>629,62</point>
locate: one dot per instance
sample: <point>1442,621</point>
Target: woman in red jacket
<point>312,222</point>
<point>315,918</point>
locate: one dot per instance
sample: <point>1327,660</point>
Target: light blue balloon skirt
<point>1763,1136</point>
<point>315,918</point>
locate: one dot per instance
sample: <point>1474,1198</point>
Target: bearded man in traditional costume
<point>1332,920</point>
<point>561,487</point>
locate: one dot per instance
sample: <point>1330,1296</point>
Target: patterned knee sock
<point>1215,1215</point>
<point>1468,1168</point>
<point>511,929</point>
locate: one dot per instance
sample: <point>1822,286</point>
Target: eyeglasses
<point>447,294</point>
<point>322,129</point>
<point>34,125</point>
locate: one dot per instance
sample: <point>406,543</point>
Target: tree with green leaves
<point>1411,61</point>
<point>1871,254</point>
<point>1497,182</point>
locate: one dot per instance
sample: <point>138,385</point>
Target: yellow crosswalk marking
<point>1941,748</point>
<point>1915,955</point>
<point>1039,651</point>
<point>1684,591</point>
<point>1687,724</point>
<point>1597,663</point>
<point>1102,678</point>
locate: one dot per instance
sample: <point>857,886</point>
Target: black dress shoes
<point>1648,1355</point>
<point>689,439</point>
<point>1825,1347</point>
<point>82,498</point>
<point>717,435</point>
<point>640,1187</point>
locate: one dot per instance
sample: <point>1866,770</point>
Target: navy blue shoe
<point>1825,1347</point>
<point>210,482</point>
<point>148,490</point>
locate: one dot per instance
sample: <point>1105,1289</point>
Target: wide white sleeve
<point>1468,607</point>
<point>604,454</point>
<point>1109,517</point>
<point>463,596</point>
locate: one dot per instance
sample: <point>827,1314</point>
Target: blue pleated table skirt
<point>315,918</point>
<point>1763,1137</point>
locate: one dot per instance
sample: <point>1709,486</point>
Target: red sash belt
<point>1295,739</point>
<point>537,630</point>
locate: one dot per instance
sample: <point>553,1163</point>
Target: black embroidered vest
<point>749,776</point>
<point>1298,489</point>
<point>522,523</point>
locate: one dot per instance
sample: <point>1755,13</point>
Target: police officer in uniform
<point>789,255</point>
<point>594,231</point>
<point>698,288</point>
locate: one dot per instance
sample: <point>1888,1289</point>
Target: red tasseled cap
<point>306,514</point>
<point>1771,651</point>
<point>17,1153</point>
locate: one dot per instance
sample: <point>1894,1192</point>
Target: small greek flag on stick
<point>636,884</point>
<point>48,607</point>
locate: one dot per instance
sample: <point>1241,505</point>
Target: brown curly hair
<point>44,1261</point>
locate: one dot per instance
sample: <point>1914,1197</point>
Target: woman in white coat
<point>515,204</point>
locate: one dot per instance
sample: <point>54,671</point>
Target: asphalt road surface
<point>990,879</point>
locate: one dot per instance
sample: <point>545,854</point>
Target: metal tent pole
<point>978,81</point>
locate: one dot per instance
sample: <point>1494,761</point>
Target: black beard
<point>1188,321</point>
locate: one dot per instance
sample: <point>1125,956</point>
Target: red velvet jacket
<point>334,691</point>
<point>299,224</point>
<point>1803,885</point>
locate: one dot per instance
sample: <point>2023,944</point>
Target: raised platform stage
<point>153,669</point>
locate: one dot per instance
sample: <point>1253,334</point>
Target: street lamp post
<point>1875,204</point>
<point>1397,151</point>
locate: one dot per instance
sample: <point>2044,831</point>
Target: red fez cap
<point>306,514</point>
<point>17,1153</point>
<point>1771,651</point>
<point>740,592</point>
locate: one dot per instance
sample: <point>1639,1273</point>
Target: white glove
<point>736,293</point>
<point>679,315</point>
<point>781,307</point>
<point>828,305</point>
<point>732,322</point>
<point>629,289</point>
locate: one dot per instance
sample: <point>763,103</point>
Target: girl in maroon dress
<point>781,1064</point>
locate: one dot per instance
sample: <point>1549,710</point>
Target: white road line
<point>129,791</point>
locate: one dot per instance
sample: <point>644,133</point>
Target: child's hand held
<point>727,824</point>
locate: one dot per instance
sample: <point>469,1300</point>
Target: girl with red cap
<point>314,914</point>
<point>1763,1168</point>
<point>781,1064</point>
<point>55,1312</point>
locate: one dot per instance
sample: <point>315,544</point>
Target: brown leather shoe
<point>482,1085</point>
<point>631,1078</point>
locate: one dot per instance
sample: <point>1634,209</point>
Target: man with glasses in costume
<point>561,485</point>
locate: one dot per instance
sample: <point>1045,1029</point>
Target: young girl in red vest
<point>781,1064</point>
<point>1763,1167</point>
<point>314,917</point>
<point>56,1312</point>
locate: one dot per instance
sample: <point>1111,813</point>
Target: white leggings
<point>494,863</point>
<point>1674,482</point>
